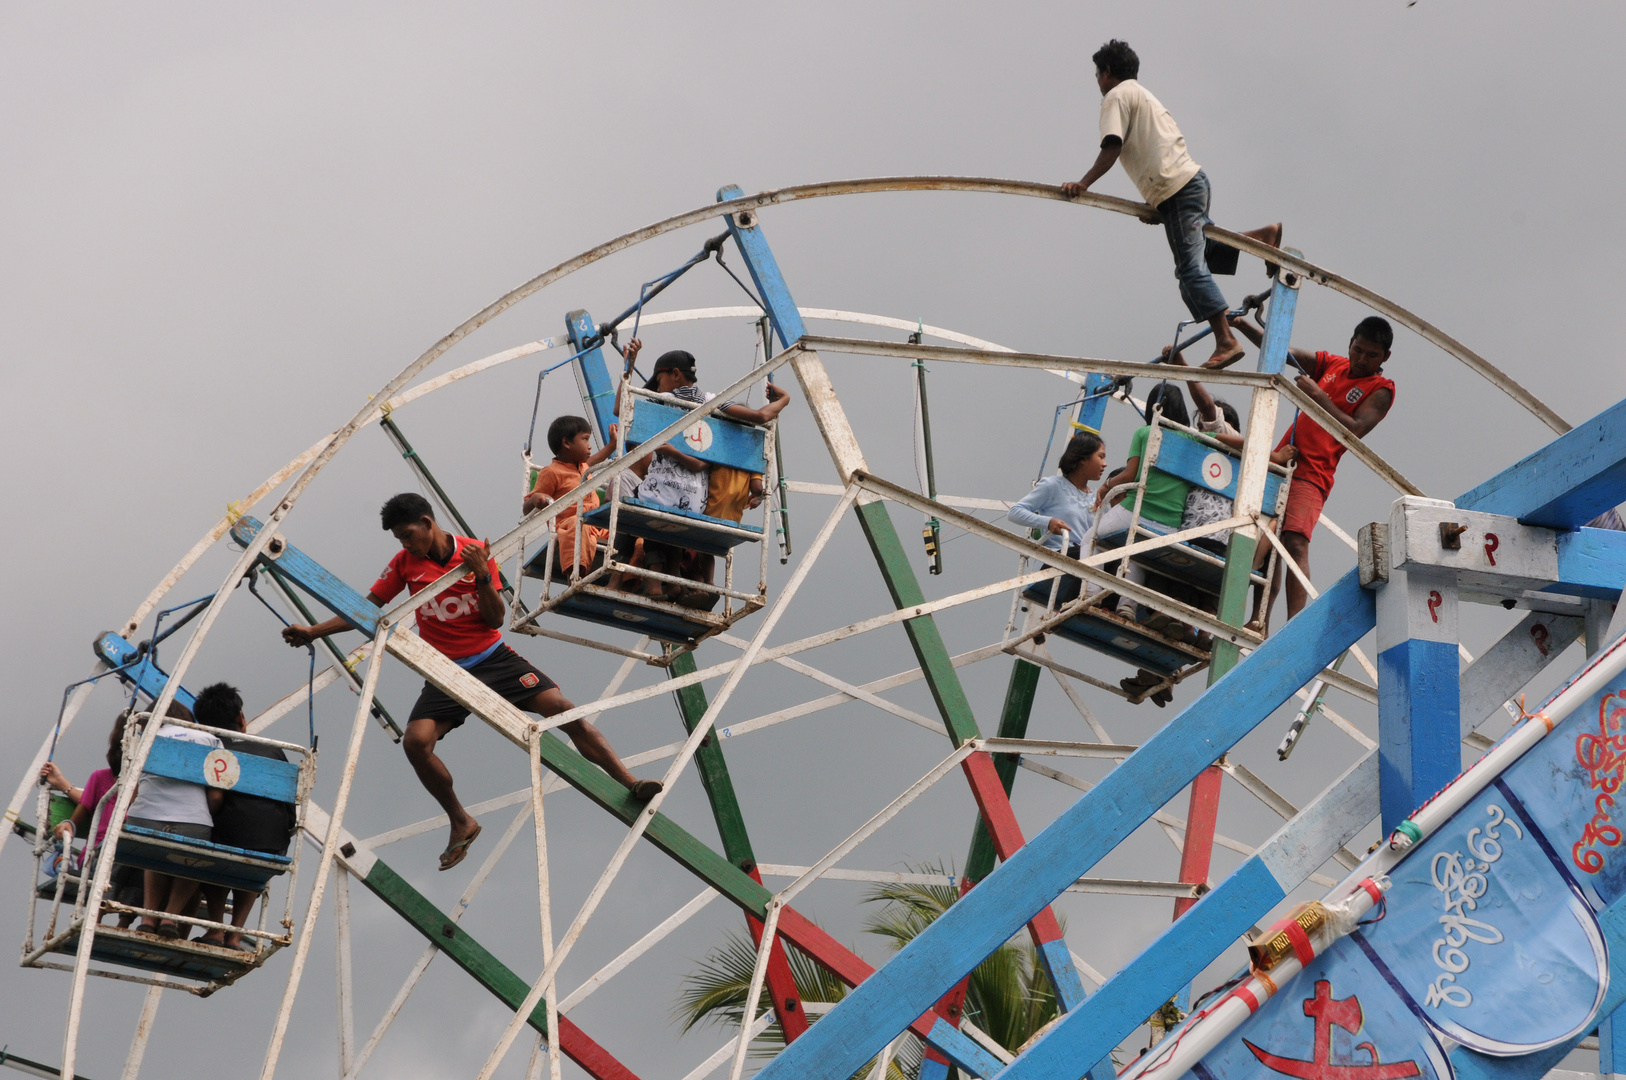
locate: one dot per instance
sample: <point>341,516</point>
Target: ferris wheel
<point>585,571</point>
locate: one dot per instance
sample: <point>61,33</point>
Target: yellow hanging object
<point>234,512</point>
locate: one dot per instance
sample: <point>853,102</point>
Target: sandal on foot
<point>644,790</point>
<point>168,930</point>
<point>455,853</point>
<point>218,941</point>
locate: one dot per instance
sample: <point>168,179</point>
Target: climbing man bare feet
<point>464,622</point>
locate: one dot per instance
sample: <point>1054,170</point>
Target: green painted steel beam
<point>924,637</point>
<point>713,769</point>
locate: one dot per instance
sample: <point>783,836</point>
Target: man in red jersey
<point>1356,392</point>
<point>464,623</point>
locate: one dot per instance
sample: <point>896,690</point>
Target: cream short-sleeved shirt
<point>1154,152</point>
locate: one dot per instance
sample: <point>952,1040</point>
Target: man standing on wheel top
<point>464,622</point>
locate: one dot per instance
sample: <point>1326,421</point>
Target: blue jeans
<point>1184,214</point>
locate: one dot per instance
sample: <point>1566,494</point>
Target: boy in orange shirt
<point>571,440</point>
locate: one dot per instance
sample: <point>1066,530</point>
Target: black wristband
<point>483,580</point>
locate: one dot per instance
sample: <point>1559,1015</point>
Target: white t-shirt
<point>161,799</point>
<point>670,484</point>
<point>1154,152</point>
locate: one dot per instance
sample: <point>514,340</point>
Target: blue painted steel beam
<point>1284,304</point>
<point>1566,483</point>
<point>989,915</point>
<point>593,373</point>
<point>1591,563</point>
<point>146,676</point>
<point>310,575</point>
<point>770,283</point>
<point>1180,954</point>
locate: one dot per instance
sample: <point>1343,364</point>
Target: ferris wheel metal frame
<point>989,763</point>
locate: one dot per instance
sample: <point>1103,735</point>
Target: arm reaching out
<point>778,398</point>
<point>301,636</point>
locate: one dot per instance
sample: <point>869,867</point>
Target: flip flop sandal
<point>1157,622</point>
<point>455,853</point>
<point>1162,697</point>
<point>1138,684</point>
<point>644,790</point>
<point>168,931</point>
<point>218,943</point>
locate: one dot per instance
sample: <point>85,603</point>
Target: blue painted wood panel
<point>685,528</point>
<point>996,909</point>
<point>1183,457</point>
<point>770,283</point>
<point>1566,483</point>
<point>199,860</point>
<point>348,604</point>
<point>1591,563</point>
<point>593,373</point>
<point>724,442</point>
<point>266,777</point>
<point>148,677</point>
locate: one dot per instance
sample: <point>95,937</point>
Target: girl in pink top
<point>95,790</point>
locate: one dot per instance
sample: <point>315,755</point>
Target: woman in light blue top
<point>1059,503</point>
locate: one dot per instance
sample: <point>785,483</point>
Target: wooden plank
<point>857,1028</point>
<point>267,778</point>
<point>593,375</point>
<point>149,678</point>
<point>310,575</point>
<point>714,440</point>
<point>1566,483</point>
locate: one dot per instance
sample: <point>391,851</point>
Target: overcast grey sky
<point>223,228</point>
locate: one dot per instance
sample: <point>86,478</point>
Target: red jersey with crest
<point>451,621</point>
<point>1319,452</point>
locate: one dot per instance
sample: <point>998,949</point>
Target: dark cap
<point>676,360</point>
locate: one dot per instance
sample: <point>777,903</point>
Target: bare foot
<point>1272,235</point>
<point>1257,626</point>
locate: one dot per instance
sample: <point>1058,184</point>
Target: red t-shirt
<point>1319,452</point>
<point>451,621</point>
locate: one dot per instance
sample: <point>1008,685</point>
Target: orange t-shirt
<point>1319,452</point>
<point>559,478</point>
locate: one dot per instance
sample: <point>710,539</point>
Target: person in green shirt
<point>1165,499</point>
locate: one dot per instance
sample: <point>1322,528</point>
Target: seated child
<point>179,807</point>
<point>571,440</point>
<point>1061,503</point>
<point>1164,501</point>
<point>1219,419</point>
<point>683,482</point>
<point>245,821</point>
<point>124,886</point>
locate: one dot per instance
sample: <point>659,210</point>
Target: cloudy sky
<point>224,229</point>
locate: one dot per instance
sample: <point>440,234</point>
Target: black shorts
<point>505,671</point>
